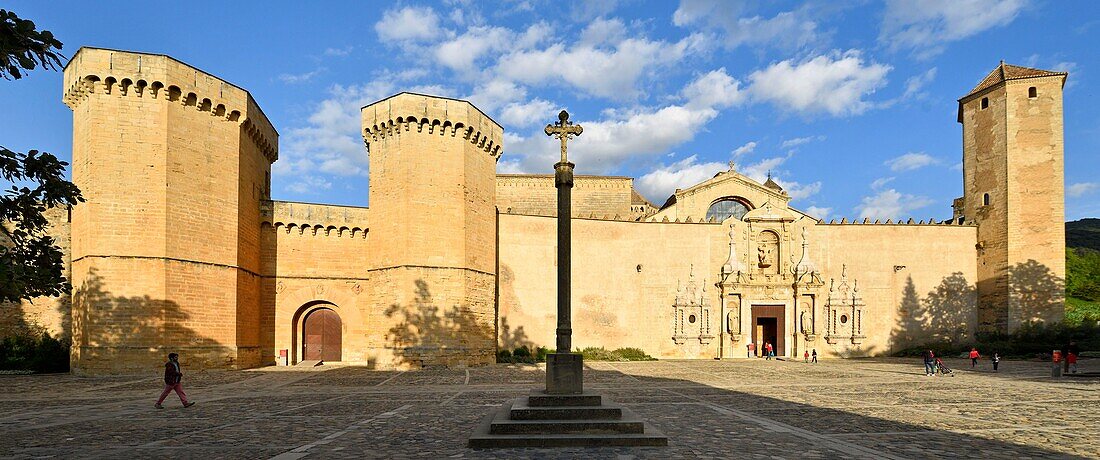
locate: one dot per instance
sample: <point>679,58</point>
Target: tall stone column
<point>563,180</point>
<point>564,370</point>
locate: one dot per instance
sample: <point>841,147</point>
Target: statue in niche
<point>731,322</point>
<point>766,251</point>
<point>804,322</point>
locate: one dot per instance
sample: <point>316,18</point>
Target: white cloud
<point>759,171</point>
<point>408,24</point>
<point>601,31</point>
<point>744,149</point>
<point>880,182</point>
<point>914,85</point>
<point>495,94</point>
<point>889,204</point>
<point>799,191</point>
<point>308,185</point>
<point>626,134</point>
<point>339,52</point>
<point>300,78</point>
<point>788,29</point>
<point>925,26</point>
<point>611,71</point>
<point>527,113</point>
<point>715,89</point>
<point>789,143</point>
<point>911,161</point>
<point>665,179</point>
<point>1081,188</point>
<point>510,166</point>
<point>834,83</point>
<point>821,213</point>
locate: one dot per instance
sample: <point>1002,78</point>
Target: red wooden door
<point>321,336</point>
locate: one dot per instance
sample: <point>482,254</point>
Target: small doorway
<point>321,336</point>
<point>767,327</point>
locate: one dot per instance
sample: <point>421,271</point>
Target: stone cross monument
<point>564,415</point>
<point>563,369</point>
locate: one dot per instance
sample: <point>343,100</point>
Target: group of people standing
<point>769,352</point>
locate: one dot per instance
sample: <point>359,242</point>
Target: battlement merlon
<point>420,113</point>
<point>90,69</point>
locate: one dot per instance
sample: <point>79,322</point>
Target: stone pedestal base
<point>577,420</point>
<point>564,374</point>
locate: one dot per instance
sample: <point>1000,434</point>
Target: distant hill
<point>1084,233</point>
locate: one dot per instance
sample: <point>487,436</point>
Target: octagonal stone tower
<point>432,241</point>
<point>173,163</point>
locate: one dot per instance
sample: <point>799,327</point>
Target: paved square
<point>882,408</point>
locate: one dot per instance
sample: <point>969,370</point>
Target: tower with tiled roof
<point>1013,190</point>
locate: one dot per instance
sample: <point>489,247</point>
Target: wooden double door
<point>768,326</point>
<point>321,332</point>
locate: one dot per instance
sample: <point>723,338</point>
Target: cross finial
<point>732,165</point>
<point>563,130</point>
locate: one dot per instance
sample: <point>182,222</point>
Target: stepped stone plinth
<point>555,420</point>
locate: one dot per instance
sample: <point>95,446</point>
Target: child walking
<point>172,377</point>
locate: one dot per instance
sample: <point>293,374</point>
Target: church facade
<point>180,248</point>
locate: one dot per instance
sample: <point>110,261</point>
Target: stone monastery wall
<point>592,195</point>
<point>625,276</point>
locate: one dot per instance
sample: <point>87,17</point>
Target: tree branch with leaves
<point>31,263</point>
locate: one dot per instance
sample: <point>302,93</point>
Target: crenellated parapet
<point>410,113</point>
<point>315,219</point>
<point>910,221</point>
<point>98,72</point>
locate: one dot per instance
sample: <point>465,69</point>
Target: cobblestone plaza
<point>880,408</point>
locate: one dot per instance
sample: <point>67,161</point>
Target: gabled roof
<point>1004,72</point>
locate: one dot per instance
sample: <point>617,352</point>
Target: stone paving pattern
<point>880,408</point>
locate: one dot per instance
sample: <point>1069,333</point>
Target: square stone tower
<point>432,243</point>
<point>173,163</point>
<point>1013,190</point>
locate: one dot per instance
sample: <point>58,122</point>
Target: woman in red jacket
<point>974,357</point>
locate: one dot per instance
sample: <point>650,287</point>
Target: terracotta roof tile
<point>1005,72</point>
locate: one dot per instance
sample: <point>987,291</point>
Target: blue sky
<point>851,106</point>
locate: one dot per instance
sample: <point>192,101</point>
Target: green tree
<point>31,264</point>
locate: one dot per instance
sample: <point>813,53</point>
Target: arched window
<point>1032,92</point>
<point>985,103</point>
<point>727,207</point>
<point>985,200</point>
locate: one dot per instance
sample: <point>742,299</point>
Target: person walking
<point>751,346</point>
<point>996,360</point>
<point>974,357</point>
<point>806,356</point>
<point>813,356</point>
<point>1071,351</point>
<point>929,363</point>
<point>767,351</point>
<point>172,377</point>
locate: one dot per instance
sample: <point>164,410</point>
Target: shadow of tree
<point>1035,292</point>
<point>510,340</point>
<point>118,334</point>
<point>946,314</point>
<point>428,336</point>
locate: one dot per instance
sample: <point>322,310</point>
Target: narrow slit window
<point>985,199</point>
<point>985,103</point>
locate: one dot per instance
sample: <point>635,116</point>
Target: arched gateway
<point>321,335</point>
